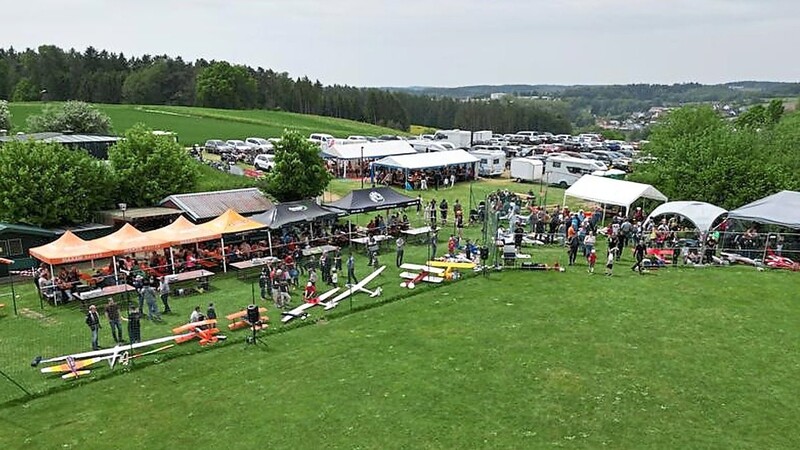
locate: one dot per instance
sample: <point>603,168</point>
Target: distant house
<point>96,145</point>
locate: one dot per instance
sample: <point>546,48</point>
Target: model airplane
<point>74,366</point>
<point>205,330</point>
<point>111,354</point>
<point>300,311</point>
<point>239,320</point>
<point>426,273</point>
<point>449,266</point>
<point>358,287</point>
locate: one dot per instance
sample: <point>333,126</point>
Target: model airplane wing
<point>78,364</point>
<point>422,268</point>
<point>300,310</point>
<point>76,374</point>
<point>426,278</point>
<point>359,287</point>
<point>193,325</point>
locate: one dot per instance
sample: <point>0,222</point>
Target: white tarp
<point>612,192</point>
<point>701,214</point>
<point>427,160</point>
<point>781,209</point>
<point>371,150</point>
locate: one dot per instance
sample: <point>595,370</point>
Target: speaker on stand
<point>254,319</point>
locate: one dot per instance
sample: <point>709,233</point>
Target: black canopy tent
<point>288,213</point>
<point>373,199</point>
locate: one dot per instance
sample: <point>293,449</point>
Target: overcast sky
<point>438,42</point>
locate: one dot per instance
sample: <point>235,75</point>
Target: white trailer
<point>566,170</point>
<point>492,162</point>
<point>481,137</point>
<point>459,138</point>
<point>527,169</point>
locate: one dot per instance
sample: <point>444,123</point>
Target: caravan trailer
<point>492,162</point>
<point>566,170</point>
<point>527,169</point>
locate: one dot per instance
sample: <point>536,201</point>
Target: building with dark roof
<point>203,206</point>
<point>96,145</point>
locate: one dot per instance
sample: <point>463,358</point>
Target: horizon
<point>442,44</point>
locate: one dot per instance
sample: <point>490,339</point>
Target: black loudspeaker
<point>252,314</point>
<point>484,253</point>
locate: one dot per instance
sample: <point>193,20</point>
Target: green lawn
<point>196,125</point>
<point>679,358</point>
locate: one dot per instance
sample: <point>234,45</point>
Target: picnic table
<point>200,275</point>
<point>420,232</point>
<point>319,250</point>
<point>101,293</point>
<point>365,240</point>
<point>243,266</point>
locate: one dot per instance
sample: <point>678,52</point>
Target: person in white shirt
<point>195,316</point>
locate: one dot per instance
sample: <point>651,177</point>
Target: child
<point>335,277</point>
<point>211,313</point>
<point>592,260</point>
<point>612,253</point>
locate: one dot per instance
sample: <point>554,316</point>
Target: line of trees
<point>50,73</point>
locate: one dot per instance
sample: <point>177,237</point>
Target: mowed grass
<point>679,358</point>
<point>196,125</point>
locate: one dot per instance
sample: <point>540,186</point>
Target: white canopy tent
<point>701,214</point>
<point>427,160</point>
<point>781,209</point>
<point>612,192</point>
<point>367,150</point>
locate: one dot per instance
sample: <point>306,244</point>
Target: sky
<point>438,42</point>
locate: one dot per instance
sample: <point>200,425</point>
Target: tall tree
<point>75,116</point>
<point>49,184</point>
<point>148,168</point>
<point>222,85</point>
<point>5,116</point>
<point>299,172</point>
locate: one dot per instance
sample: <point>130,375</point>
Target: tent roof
<point>69,248</point>
<point>129,240</point>
<point>181,231</point>
<point>206,205</point>
<point>781,209</point>
<point>701,214</point>
<point>230,222</point>
<point>372,150</point>
<point>427,160</point>
<point>363,200</point>
<point>25,229</point>
<point>293,212</point>
<point>611,191</point>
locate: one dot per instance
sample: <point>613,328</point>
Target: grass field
<point>196,125</point>
<point>679,358</point>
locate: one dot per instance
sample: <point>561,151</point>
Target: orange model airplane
<point>239,320</point>
<point>205,330</point>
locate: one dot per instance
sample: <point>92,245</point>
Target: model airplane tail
<point>76,374</point>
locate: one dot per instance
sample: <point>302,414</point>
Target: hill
<point>196,125</point>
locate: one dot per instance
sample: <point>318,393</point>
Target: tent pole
<point>269,239</point>
<point>222,248</point>
<point>172,259</point>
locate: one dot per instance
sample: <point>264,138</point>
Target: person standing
<point>452,179</point>
<point>612,253</point>
<point>592,258</point>
<point>589,242</point>
<point>93,322</point>
<point>400,243</point>
<point>419,204</point>
<point>134,325</point>
<point>443,208</point>
<point>433,240</point>
<point>149,295</point>
<point>163,289</point>
<point>574,242</point>
<point>112,313</point>
<point>638,253</point>
<point>351,270</point>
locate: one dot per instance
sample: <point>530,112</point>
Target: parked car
<point>218,147</point>
<point>264,162</point>
<point>239,146</point>
<point>260,144</point>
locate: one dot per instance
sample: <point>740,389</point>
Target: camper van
<point>459,138</point>
<point>566,170</point>
<point>527,169</point>
<point>422,146</point>
<point>492,162</point>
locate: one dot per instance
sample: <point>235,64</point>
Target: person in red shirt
<point>310,292</point>
<point>592,260</point>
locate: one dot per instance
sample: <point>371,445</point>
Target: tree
<point>147,167</point>
<point>75,116</point>
<point>222,85</point>
<point>47,184</point>
<point>5,116</point>
<point>702,157</point>
<point>299,171</point>
<point>25,91</point>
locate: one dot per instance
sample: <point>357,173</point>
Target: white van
<point>492,162</point>
<point>566,170</point>
<point>321,137</point>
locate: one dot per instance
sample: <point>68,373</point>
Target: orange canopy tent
<point>230,222</point>
<point>129,240</point>
<point>69,248</point>
<point>181,232</point>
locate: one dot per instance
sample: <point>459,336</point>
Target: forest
<point>50,73</point>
